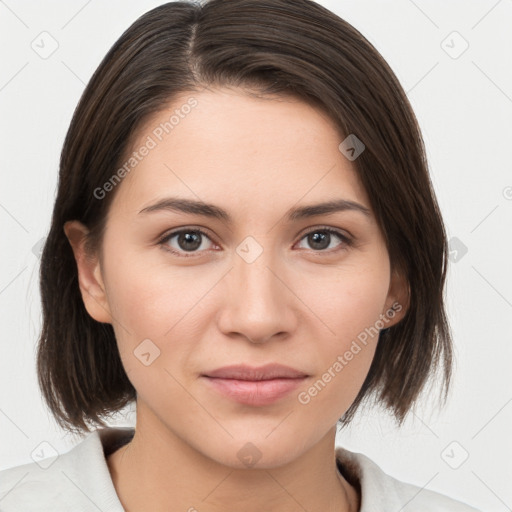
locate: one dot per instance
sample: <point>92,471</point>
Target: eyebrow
<point>212,211</point>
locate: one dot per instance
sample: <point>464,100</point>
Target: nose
<point>259,303</point>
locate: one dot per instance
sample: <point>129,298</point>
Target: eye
<point>193,240</point>
<point>320,239</point>
<point>187,240</point>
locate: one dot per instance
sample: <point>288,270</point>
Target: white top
<point>79,481</point>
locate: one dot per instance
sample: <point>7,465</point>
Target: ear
<point>89,273</point>
<point>397,300</point>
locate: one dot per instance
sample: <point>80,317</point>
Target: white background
<point>464,106</point>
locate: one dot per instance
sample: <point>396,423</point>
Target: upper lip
<point>266,372</point>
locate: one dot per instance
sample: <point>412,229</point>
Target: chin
<point>256,450</point>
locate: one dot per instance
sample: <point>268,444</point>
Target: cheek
<point>348,300</point>
<point>349,308</point>
<point>149,304</point>
<point>150,299</point>
<point>160,303</point>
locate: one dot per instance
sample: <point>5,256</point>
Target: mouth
<point>267,372</point>
<point>255,386</point>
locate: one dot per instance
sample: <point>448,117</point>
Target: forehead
<point>226,146</point>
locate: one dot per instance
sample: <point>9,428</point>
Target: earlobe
<point>89,273</point>
<point>397,301</point>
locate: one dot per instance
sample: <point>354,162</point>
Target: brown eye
<point>320,239</point>
<point>187,241</point>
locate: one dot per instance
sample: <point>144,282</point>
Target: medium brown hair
<point>275,47</point>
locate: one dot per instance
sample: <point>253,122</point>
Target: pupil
<point>318,238</point>
<point>186,238</point>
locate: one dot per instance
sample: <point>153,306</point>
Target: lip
<point>255,386</point>
<point>266,372</point>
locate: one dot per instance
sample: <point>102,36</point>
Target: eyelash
<point>346,241</point>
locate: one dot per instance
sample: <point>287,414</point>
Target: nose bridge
<point>259,303</point>
<point>255,269</point>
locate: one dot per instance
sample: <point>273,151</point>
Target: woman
<point>273,139</point>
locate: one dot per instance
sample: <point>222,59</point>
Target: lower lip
<point>255,392</point>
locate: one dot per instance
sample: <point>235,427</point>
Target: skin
<point>294,304</point>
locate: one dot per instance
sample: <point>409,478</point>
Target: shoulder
<point>77,480</point>
<point>379,489</point>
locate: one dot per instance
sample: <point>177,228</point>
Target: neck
<point>157,471</point>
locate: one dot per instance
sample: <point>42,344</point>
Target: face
<point>189,292</point>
